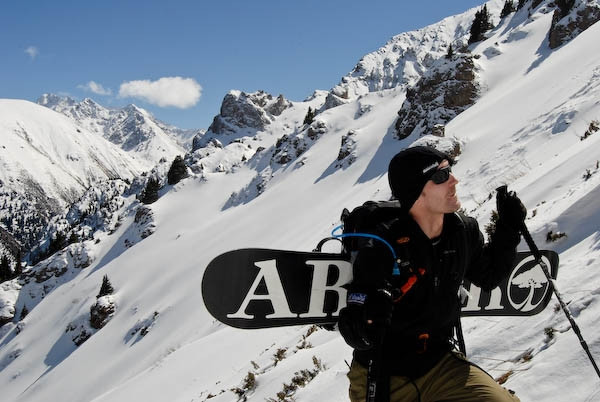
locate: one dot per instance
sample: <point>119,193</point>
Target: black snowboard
<point>262,288</point>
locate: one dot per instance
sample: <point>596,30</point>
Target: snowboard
<point>262,288</point>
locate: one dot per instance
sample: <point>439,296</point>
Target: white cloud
<point>167,91</point>
<point>96,88</point>
<point>32,51</point>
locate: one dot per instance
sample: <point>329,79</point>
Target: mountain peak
<point>132,128</point>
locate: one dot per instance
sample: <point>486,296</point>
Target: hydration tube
<point>396,269</point>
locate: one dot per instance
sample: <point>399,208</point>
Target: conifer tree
<point>509,8</point>
<point>18,264</point>
<point>310,116</point>
<point>73,238</point>
<point>177,171</point>
<point>57,242</point>
<point>521,4</point>
<point>481,24</point>
<point>5,272</point>
<point>450,52</point>
<point>150,193</point>
<point>106,288</point>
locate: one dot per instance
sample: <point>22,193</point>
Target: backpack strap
<point>457,325</point>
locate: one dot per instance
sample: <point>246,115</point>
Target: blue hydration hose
<point>396,269</point>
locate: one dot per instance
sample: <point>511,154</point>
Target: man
<point>401,324</point>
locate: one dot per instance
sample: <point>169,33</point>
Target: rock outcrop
<point>438,97</point>
<point>567,26</point>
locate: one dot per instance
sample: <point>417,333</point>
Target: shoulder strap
<point>458,326</point>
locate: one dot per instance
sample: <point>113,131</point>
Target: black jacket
<point>423,320</point>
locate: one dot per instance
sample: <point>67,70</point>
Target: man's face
<point>441,198</point>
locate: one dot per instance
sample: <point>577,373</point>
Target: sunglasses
<point>441,175</point>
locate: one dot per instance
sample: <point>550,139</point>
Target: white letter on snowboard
<point>276,295</point>
<point>319,286</point>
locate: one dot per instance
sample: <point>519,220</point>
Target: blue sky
<point>178,59</point>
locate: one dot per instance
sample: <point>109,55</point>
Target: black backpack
<point>359,225</point>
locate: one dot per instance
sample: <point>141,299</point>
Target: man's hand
<point>510,208</point>
<point>352,322</point>
<point>364,318</point>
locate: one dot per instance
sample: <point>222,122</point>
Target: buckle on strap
<point>410,282</point>
<point>422,343</point>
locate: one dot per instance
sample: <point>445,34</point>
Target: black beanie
<point>410,170</point>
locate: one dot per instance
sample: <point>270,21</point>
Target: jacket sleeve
<point>489,263</point>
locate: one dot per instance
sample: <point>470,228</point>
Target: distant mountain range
<point>131,128</point>
<point>52,154</point>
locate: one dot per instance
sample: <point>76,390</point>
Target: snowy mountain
<point>48,161</point>
<point>533,124</point>
<point>131,128</point>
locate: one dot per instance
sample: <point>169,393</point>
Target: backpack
<point>359,225</point>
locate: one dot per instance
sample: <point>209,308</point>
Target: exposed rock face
<point>347,154</point>
<point>241,115</point>
<point>290,147</point>
<point>278,106</point>
<point>450,145</point>
<point>334,99</point>
<point>438,97</point>
<point>102,311</point>
<point>565,28</point>
<point>243,110</point>
<point>536,3</point>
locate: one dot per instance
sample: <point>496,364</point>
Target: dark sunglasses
<point>441,175</point>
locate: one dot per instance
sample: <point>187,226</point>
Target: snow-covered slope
<point>56,153</point>
<point>405,57</point>
<point>48,161</point>
<point>527,129</point>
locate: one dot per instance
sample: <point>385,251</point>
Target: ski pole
<point>378,376</point>
<point>538,258</point>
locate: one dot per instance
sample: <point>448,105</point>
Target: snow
<point>54,152</point>
<point>524,131</point>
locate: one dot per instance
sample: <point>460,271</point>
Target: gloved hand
<point>510,208</point>
<point>352,322</point>
<point>362,320</point>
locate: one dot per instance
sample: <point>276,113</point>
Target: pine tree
<point>310,116</point>
<point>57,243</point>
<point>106,288</point>
<point>450,52</point>
<point>177,171</point>
<point>5,271</point>
<point>509,8</point>
<point>521,4</point>
<point>18,264</point>
<point>73,238</point>
<point>481,24</point>
<point>150,193</point>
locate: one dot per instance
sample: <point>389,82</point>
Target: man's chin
<point>456,206</point>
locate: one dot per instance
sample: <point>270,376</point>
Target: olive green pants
<point>452,379</point>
